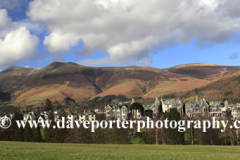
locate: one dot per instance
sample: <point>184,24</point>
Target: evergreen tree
<point>16,134</point>
<point>36,134</point>
<point>173,136</point>
<point>184,109</point>
<point>5,134</point>
<point>49,132</point>
<point>60,134</point>
<point>48,105</point>
<point>27,133</point>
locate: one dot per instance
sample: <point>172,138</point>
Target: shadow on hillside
<point>4,96</point>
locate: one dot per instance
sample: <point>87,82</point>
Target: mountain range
<point>58,81</point>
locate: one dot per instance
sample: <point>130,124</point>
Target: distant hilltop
<point>196,64</point>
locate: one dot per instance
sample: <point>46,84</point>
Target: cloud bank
<point>129,30</point>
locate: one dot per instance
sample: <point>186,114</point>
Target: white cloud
<point>5,21</point>
<point>16,41</point>
<point>96,62</point>
<point>59,42</point>
<point>129,30</point>
<point>17,45</point>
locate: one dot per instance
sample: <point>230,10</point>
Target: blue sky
<point>119,33</point>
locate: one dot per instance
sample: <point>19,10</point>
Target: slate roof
<point>171,101</point>
<point>116,106</point>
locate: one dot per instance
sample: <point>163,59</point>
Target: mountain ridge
<point>58,80</point>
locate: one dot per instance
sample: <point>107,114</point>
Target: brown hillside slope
<point>225,88</point>
<point>58,81</point>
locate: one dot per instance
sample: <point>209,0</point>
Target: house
<point>82,118</point>
<point>213,109</point>
<point>29,116</point>
<point>44,114</point>
<point>155,107</point>
<point>87,115</point>
<point>167,104</point>
<point>191,109</point>
<point>235,113</point>
<point>218,109</point>
<point>71,116</point>
<point>194,109</point>
<point>108,112</point>
<point>152,110</point>
<point>116,112</point>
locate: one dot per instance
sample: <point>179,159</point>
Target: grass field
<point>21,150</point>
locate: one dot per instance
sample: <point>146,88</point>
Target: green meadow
<point>22,150</point>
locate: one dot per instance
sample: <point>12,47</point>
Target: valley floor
<point>21,150</point>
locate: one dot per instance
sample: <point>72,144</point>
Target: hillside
<point>225,88</point>
<point>59,81</point>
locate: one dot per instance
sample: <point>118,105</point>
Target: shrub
<point>228,93</point>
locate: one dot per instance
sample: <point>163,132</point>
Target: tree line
<point>121,136</point>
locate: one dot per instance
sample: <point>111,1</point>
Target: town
<point>219,110</point>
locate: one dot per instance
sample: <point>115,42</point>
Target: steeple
<point>157,102</point>
<point>226,103</point>
<point>132,101</point>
